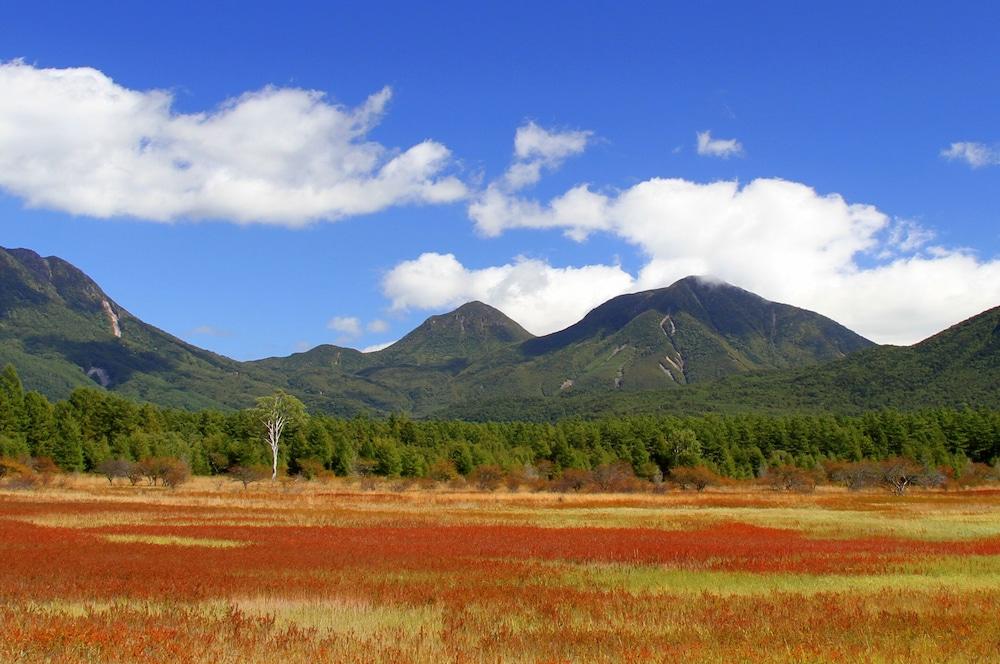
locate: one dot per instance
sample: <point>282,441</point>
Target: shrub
<point>134,473</point>
<point>899,474</point>
<point>442,470</point>
<point>694,477</point>
<point>572,480</point>
<point>312,469</point>
<point>46,469</point>
<point>402,485</point>
<point>487,477</point>
<point>153,468</point>
<point>974,474</point>
<point>616,477</point>
<point>247,475</point>
<point>854,475</point>
<point>365,467</point>
<point>18,475</point>
<point>514,479</point>
<point>175,473</point>
<point>790,478</point>
<point>114,468</point>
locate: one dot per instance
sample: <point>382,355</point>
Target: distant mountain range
<point>698,345</point>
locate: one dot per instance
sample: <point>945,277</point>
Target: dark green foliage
<point>39,424</point>
<point>67,440</point>
<point>93,426</point>
<point>11,401</point>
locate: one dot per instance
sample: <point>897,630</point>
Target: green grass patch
<point>953,573</point>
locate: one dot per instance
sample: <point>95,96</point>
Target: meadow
<point>326,571</point>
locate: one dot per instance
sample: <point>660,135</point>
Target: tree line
<point>93,426</point>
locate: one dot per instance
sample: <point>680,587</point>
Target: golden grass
<point>173,540</point>
<point>830,512</point>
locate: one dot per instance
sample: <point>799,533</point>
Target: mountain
<point>62,331</point>
<point>474,330</point>
<point>419,373</point>
<point>956,368</point>
<point>694,331</point>
<point>696,346</point>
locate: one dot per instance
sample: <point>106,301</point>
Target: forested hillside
<point>93,426</point>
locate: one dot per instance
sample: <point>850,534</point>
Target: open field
<point>327,572</point>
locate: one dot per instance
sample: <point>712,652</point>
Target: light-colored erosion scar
<point>100,374</point>
<point>673,328</point>
<point>112,318</point>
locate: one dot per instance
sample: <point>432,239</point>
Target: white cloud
<point>377,347</point>
<point>537,295</point>
<point>377,326</point>
<point>975,155</point>
<point>534,142</point>
<point>349,326</point>
<point>74,140</point>
<point>718,147</point>
<point>904,237</point>
<point>579,212</point>
<point>536,148</point>
<point>781,239</point>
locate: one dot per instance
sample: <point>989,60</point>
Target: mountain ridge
<point>698,343</point>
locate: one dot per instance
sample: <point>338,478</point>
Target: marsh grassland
<point>314,572</point>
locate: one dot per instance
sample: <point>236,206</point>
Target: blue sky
<point>851,164</point>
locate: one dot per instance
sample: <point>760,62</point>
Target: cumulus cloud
<point>377,326</point>
<point>975,155</point>
<point>784,240</point>
<point>74,140</point>
<point>349,326</point>
<point>537,295</point>
<point>536,148</point>
<point>718,147</point>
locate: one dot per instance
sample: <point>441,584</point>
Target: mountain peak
<point>477,308</point>
<point>702,281</point>
<point>29,278</point>
<point>473,329</point>
<point>698,328</point>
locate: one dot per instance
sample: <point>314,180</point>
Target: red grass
<point>488,581</point>
<point>61,562</point>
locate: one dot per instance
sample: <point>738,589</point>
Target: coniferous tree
<point>67,447</point>
<point>39,424</point>
<point>11,402</point>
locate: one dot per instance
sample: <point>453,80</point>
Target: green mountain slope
<point>418,373</point>
<point>959,367</point>
<point>696,346</point>
<point>62,331</point>
<point>693,331</point>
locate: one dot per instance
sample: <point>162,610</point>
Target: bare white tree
<point>276,412</point>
